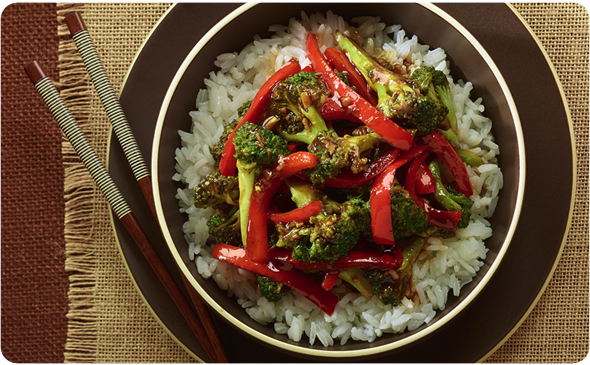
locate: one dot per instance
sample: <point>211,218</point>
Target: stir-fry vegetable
<point>334,174</point>
<point>264,189</point>
<point>227,164</point>
<point>279,272</point>
<point>357,106</point>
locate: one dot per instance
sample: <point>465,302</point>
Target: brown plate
<point>525,270</point>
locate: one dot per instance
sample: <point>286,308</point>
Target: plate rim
<point>548,279</point>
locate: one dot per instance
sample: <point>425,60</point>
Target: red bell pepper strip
<point>444,219</point>
<point>330,278</point>
<point>410,184</point>
<point>272,210</point>
<point>313,291</point>
<point>300,214</point>
<point>332,110</point>
<point>407,156</point>
<point>342,64</point>
<point>227,163</point>
<point>380,199</point>
<point>439,145</point>
<point>264,190</point>
<point>355,259</point>
<point>359,107</point>
<point>425,183</point>
<point>347,179</point>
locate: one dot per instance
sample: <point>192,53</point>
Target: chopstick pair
<point>202,327</point>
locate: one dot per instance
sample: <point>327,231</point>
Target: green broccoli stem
<point>378,77</point>
<point>303,193</point>
<point>441,193</point>
<point>468,157</point>
<point>450,136</point>
<point>307,135</point>
<point>232,217</point>
<point>382,95</point>
<point>246,179</point>
<point>356,278</point>
<point>444,94</point>
<point>358,56</point>
<point>363,142</point>
<point>410,254</point>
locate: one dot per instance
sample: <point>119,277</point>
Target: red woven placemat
<point>34,283</point>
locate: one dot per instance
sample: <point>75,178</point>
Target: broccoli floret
<point>407,217</point>
<point>360,212</point>
<point>466,204</point>
<point>271,289</point>
<point>217,149</point>
<point>242,110</point>
<point>256,147</point>
<point>410,252</point>
<point>391,286</point>
<point>215,190</point>
<point>291,235</point>
<point>383,286</point>
<point>226,227</point>
<point>449,198</point>
<point>335,153</point>
<point>296,104</point>
<point>397,96</point>
<point>435,84</point>
<point>303,193</point>
<point>327,236</point>
<point>333,236</point>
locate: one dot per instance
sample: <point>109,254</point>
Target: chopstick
<point>111,105</point>
<point>131,150</point>
<point>68,124</point>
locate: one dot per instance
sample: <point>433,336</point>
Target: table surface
<point>61,268</point>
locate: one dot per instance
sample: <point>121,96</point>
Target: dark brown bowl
<point>469,61</point>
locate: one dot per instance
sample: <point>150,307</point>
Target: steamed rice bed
<point>444,266</point>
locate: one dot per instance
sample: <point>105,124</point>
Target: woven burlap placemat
<point>108,320</point>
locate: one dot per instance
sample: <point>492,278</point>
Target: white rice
<point>444,267</point>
